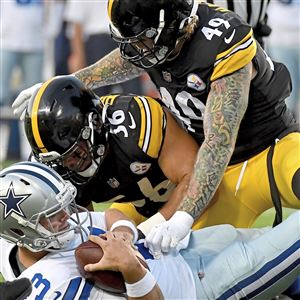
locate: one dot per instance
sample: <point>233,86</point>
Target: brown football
<point>89,253</point>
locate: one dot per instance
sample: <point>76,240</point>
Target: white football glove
<point>168,234</point>
<point>146,226</point>
<point>21,102</point>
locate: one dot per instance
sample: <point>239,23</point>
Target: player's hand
<point>146,226</point>
<point>18,289</point>
<point>21,102</point>
<point>168,234</point>
<point>114,260</point>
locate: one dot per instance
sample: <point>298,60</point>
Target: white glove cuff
<point>183,217</point>
<point>128,224</point>
<point>141,287</point>
<point>147,225</point>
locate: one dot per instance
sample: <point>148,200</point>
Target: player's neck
<point>28,258</point>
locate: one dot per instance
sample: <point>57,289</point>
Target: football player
<point>228,94</point>
<point>41,225</point>
<point>116,148</point>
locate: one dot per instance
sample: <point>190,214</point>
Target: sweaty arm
<point>225,108</point>
<point>176,160</point>
<point>110,69</point>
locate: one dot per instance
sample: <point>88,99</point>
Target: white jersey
<point>56,277</point>
<point>22,25</point>
<point>220,262</point>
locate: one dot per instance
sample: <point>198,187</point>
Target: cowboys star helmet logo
<point>11,202</point>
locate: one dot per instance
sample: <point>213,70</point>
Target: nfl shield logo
<point>113,182</point>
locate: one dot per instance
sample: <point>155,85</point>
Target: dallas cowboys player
<point>39,233</point>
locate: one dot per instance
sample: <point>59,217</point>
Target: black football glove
<point>18,289</point>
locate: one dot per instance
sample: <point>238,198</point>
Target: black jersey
<point>222,44</point>
<point>130,171</point>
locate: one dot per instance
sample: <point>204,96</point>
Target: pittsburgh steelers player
<point>116,148</point>
<point>41,225</point>
<point>229,95</point>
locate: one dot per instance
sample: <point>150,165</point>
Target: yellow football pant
<point>240,204</point>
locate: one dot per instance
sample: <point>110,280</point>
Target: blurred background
<point>43,38</point>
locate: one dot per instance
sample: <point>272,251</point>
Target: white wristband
<point>146,226</point>
<point>141,287</point>
<point>128,224</point>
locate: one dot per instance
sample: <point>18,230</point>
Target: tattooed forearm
<point>111,69</point>
<point>225,108</point>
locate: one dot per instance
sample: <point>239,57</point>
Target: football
<point>110,281</point>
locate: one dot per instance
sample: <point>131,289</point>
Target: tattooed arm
<point>225,108</point>
<point>110,69</point>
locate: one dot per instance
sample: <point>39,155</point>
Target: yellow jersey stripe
<point>109,7</point>
<point>158,124</point>
<point>143,122</point>
<point>109,99</point>
<point>152,125</point>
<point>244,40</point>
<point>216,7</point>
<point>34,116</point>
<point>235,60</point>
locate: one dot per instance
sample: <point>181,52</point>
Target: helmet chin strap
<point>91,170</point>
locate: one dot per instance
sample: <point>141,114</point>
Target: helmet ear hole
<point>18,231</point>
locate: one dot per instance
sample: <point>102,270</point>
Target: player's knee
<point>296,184</point>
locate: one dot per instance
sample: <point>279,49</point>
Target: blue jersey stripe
<point>261,272</point>
<point>41,177</point>
<point>274,279</point>
<point>41,166</point>
<point>86,290</point>
<point>72,288</point>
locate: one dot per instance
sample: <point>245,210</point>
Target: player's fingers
<point>174,242</point>
<point>22,116</point>
<point>23,96</point>
<point>166,243</point>
<point>21,108</point>
<point>99,240</point>
<point>95,267</point>
<point>153,242</point>
<point>156,254</point>
<point>21,102</point>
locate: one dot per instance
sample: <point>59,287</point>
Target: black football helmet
<point>63,119</point>
<point>148,31</point>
